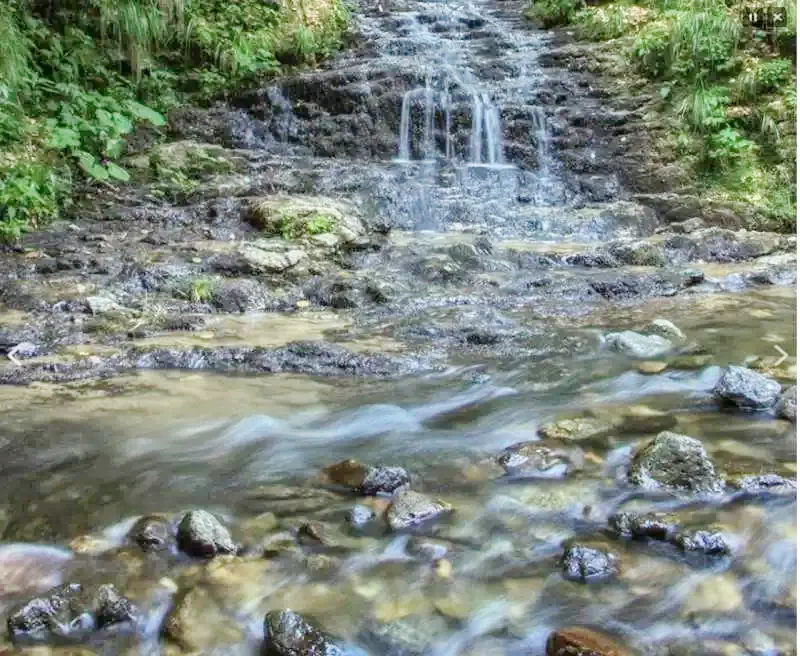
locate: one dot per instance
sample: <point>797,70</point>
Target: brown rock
<point>581,641</point>
<point>349,473</point>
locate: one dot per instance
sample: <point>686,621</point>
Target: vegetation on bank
<point>77,76</point>
<point>727,75</point>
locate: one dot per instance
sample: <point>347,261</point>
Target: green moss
<point>202,290</point>
<point>298,225</point>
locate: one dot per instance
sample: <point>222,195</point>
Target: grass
<point>728,90</point>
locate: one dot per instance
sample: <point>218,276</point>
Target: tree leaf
<point>117,172</point>
<point>62,138</point>
<point>146,113</point>
<point>91,166</point>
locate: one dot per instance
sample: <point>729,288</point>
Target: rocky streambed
<point>425,353</point>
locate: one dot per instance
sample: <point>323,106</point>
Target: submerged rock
<point>586,564</point>
<point>636,345</point>
<point>709,543</point>
<point>545,458</point>
<point>582,641</point>
<point>666,329</point>
<point>765,485</point>
<point>287,633</point>
<point>197,622</point>
<point>152,533</point>
<point>369,481</point>
<point>69,611</point>
<point>579,428</point>
<point>202,535</point>
<point>359,516</point>
<point>410,509</point>
<point>747,389</point>
<point>787,405</point>
<point>676,462</point>
<point>653,526</point>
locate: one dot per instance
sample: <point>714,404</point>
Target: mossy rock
<point>307,217</point>
<point>192,158</point>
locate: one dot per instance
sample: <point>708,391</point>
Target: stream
<point>505,331</point>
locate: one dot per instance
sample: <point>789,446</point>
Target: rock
<point>747,389</point>
<point>544,458</point>
<point>308,216</point>
<point>255,260</point>
<point>715,594</point>
<point>666,329</point>
<point>721,245</point>
<point>359,516</point>
<point>102,305</point>
<point>636,345</point>
<point>152,533</point>
<point>579,428</point>
<point>687,226</point>
<point>765,485</point>
<point>69,611</point>
<point>651,366</point>
<point>31,568</point>
<point>638,253</point>
<point>787,405</point>
<point>426,549</point>
<point>638,419</point>
<point>384,480</point>
<point>197,623</point>
<point>709,543</point>
<point>287,633</point>
<point>201,534</point>
<point>369,481</point>
<point>653,526</point>
<point>676,462</point>
<point>585,564</point>
<point>582,641</point>
<point>410,509</point>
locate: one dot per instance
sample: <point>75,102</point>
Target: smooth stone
<point>579,428</point>
<point>675,462</point>
<point>666,329</point>
<point>411,508</point>
<point>348,473</point>
<point>544,458</point>
<point>636,345</point>
<point>586,564</point>
<point>651,366</point>
<point>583,641</point>
<point>197,623</point>
<point>287,633</point>
<point>747,389</point>
<point>202,535</point>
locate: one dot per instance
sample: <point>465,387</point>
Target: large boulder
<point>287,633</point>
<point>70,611</point>
<point>202,535</point>
<point>307,217</point>
<point>675,462</point>
<point>747,389</point>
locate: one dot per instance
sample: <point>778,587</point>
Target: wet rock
<point>638,253</point>
<point>325,535</point>
<point>651,367</point>
<point>579,428</point>
<point>653,526</point>
<point>348,473</point>
<point>708,543</point>
<point>197,622</point>
<point>409,636</point>
<point>676,462</point>
<point>31,568</point>
<point>426,549</point>
<point>636,345</point>
<point>544,458</point>
<point>438,268</point>
<point>666,329</point>
<point>687,226</point>
<point>582,641</point>
<point>747,389</point>
<point>255,260</point>
<point>384,480</point>
<point>586,564</point>
<point>721,245</point>
<point>287,633</point>
<point>102,305</point>
<point>787,405</point>
<point>69,611</point>
<point>411,509</point>
<point>202,535</point>
<point>360,516</point>
<point>152,533</point>
<point>765,485</point>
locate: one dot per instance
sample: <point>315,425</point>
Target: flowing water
<point>82,461</point>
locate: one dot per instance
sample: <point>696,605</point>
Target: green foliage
<point>30,195</point>
<point>603,23</point>
<point>202,290</point>
<point>552,13</point>
<point>652,50</point>
<point>295,226</point>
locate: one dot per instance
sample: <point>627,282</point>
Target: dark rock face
<point>202,535</point>
<point>747,389</point>
<point>384,480</point>
<point>544,458</point>
<point>287,633</point>
<point>675,462</point>
<point>653,526</point>
<point>582,641</point>
<point>152,533</point>
<point>586,565</point>
<point>70,612</point>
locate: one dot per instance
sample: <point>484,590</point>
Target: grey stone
<point>102,304</point>
<point>586,564</point>
<point>676,462</point>
<point>287,633</point>
<point>787,405</point>
<point>765,485</point>
<point>666,329</point>
<point>709,543</point>
<point>152,533</point>
<point>410,509</point>
<point>747,389</point>
<point>384,480</point>
<point>543,458</point>
<point>201,534</point>
<point>653,526</point>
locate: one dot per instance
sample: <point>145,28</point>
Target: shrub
<point>30,195</point>
<point>552,13</point>
<point>652,49</point>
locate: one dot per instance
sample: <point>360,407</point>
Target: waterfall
<point>493,131</point>
<point>404,153</point>
<point>476,141</point>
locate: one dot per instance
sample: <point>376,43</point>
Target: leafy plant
<point>202,290</point>
<point>652,49</point>
<point>30,195</point>
<point>726,148</point>
<point>552,13</point>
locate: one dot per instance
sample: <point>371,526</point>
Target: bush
<point>30,195</point>
<point>652,50</point>
<point>552,13</point>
